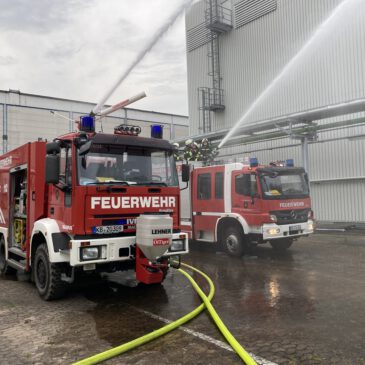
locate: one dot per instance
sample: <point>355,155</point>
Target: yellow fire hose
<point>96,359</point>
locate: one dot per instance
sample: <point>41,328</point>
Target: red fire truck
<point>89,201</point>
<point>240,205</point>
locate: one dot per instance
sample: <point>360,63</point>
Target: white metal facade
<point>265,35</point>
<point>26,117</point>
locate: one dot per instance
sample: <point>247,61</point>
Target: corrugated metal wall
<point>28,118</point>
<point>252,55</point>
<point>331,71</point>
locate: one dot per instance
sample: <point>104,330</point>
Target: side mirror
<point>52,148</point>
<point>185,173</point>
<point>52,169</point>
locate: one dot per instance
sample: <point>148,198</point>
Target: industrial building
<point>27,117</point>
<point>306,60</point>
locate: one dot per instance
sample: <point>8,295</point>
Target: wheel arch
<point>228,221</point>
<point>37,239</point>
<point>4,233</point>
<point>42,233</point>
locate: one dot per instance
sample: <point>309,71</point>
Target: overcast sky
<point>77,48</point>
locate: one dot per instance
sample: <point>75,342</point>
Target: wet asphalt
<point>305,306</point>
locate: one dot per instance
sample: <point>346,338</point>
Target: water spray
<point>336,12</point>
<point>141,55</point>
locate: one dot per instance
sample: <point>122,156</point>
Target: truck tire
<point>281,245</point>
<point>47,276</point>
<point>4,268</point>
<point>234,241</point>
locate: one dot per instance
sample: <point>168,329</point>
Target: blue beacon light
<point>87,124</point>
<point>289,162</point>
<point>254,162</point>
<point>157,131</point>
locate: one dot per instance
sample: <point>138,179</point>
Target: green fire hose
<point>96,359</point>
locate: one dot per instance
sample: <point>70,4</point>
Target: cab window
<point>204,187</point>
<point>245,184</point>
<point>219,185</point>
<point>65,166</point>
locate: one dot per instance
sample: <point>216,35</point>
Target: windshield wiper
<point>152,183</point>
<point>118,182</point>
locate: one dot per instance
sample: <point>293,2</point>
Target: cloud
<point>83,46</point>
<point>38,15</point>
<point>7,60</point>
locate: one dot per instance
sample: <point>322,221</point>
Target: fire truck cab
<point>91,202</point>
<point>240,205</point>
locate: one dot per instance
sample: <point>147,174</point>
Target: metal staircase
<point>218,20</point>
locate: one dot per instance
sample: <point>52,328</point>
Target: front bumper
<point>273,231</point>
<point>117,249</point>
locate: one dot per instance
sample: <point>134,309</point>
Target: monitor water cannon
<point>120,105</point>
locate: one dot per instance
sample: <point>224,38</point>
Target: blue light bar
<point>289,163</point>
<point>157,131</point>
<point>254,162</point>
<point>87,124</point>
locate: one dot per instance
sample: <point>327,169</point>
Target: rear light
<point>310,214</point>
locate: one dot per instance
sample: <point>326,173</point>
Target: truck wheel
<point>4,268</point>
<point>281,245</point>
<point>47,276</point>
<point>234,242</point>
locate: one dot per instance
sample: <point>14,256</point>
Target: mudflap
<point>149,273</point>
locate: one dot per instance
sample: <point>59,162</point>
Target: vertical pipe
<point>3,151</point>
<point>70,123</point>
<point>305,154</point>
<point>5,128</point>
<point>172,128</point>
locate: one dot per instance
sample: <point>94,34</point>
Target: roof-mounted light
<point>254,162</point>
<point>289,162</point>
<point>87,124</point>
<point>157,131</point>
<point>130,130</point>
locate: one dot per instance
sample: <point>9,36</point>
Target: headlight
<point>273,218</point>
<point>90,253</point>
<point>177,245</point>
<point>273,231</point>
<point>310,226</point>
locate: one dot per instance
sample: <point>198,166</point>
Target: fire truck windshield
<point>284,185</point>
<point>130,166</point>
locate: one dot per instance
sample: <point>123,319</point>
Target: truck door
<point>60,199</point>
<point>245,196</point>
<point>207,202</point>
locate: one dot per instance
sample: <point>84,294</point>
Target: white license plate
<point>107,229</point>
<point>294,228</point>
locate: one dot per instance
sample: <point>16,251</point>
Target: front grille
<point>291,216</point>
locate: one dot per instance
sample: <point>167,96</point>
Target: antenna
<point>61,116</point>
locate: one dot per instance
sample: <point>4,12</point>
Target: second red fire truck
<point>240,205</point>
